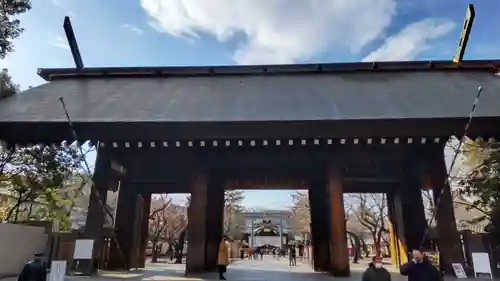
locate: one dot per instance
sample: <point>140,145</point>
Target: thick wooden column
<point>197,221</point>
<point>339,255</point>
<point>415,222</point>
<point>450,250</point>
<point>95,215</point>
<point>319,225</point>
<point>398,245</point>
<point>134,259</point>
<point>215,221</point>
<point>144,229</point>
<point>126,228</point>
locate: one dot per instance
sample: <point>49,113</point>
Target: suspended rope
<point>93,190</point>
<point>454,159</point>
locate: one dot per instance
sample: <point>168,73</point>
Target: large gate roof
<point>289,93</point>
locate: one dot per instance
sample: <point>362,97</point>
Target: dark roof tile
<point>291,97</point>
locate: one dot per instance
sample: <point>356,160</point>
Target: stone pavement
<point>269,269</point>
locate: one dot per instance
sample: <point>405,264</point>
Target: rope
<point>455,156</point>
<point>93,190</point>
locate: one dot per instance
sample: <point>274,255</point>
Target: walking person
<point>420,268</point>
<point>292,261</point>
<point>222,258</point>
<point>34,270</point>
<point>376,271</point>
<point>294,255</point>
<point>301,252</point>
<point>261,253</point>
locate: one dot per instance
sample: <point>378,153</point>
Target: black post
<point>73,45</point>
<point>465,33</point>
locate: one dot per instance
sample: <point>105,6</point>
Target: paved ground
<point>269,269</point>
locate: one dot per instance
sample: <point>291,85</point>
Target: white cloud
<point>59,42</point>
<point>411,40</point>
<point>133,28</point>
<point>277,31</point>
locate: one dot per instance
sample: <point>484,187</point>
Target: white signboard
<point>481,264</point>
<point>83,249</point>
<point>57,271</point>
<point>459,270</point>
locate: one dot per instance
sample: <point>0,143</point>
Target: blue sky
<point>257,199</point>
<point>215,32</point>
<point>222,32</point>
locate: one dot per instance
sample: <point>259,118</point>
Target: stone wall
<point>18,243</point>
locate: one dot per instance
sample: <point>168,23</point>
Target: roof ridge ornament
<point>464,34</point>
<point>73,44</point>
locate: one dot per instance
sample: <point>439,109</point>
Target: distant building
<point>267,227</point>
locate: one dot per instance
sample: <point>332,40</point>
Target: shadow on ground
<point>269,269</point>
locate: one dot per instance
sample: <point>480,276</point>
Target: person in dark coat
<point>376,271</point>
<point>34,270</point>
<point>292,256</point>
<point>420,269</point>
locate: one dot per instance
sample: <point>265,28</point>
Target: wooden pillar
<point>415,222</point>
<point>197,220</point>
<point>450,250</point>
<point>407,217</point>
<point>319,225</point>
<point>144,229</point>
<point>215,221</point>
<point>398,246</point>
<point>95,215</point>
<point>137,232</point>
<point>339,255</point>
<point>126,228</point>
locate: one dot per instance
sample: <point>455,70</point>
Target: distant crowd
<point>259,252</point>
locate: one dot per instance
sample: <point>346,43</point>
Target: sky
<point>228,32</point>
<point>256,199</point>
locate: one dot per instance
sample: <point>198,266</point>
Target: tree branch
<point>472,206</point>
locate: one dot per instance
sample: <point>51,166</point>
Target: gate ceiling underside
<point>364,168</point>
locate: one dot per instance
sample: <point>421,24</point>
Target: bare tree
<point>179,247</point>
<point>370,210</point>
<point>176,228</point>
<point>355,231</point>
<point>301,215</point>
<point>158,223</point>
<point>234,222</point>
<point>166,223</point>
